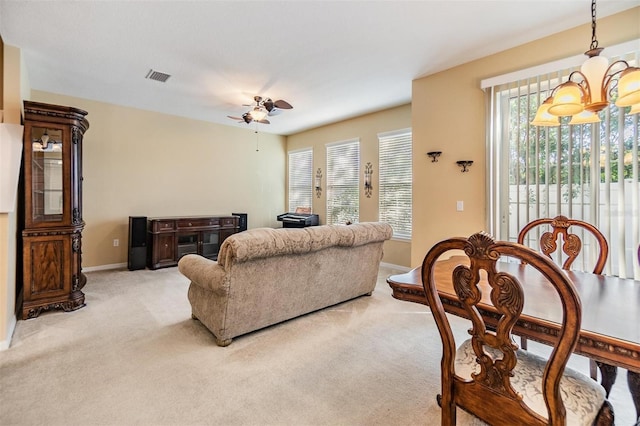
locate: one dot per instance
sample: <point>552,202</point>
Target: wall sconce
<point>368,171</point>
<point>434,155</point>
<point>318,183</point>
<point>465,164</point>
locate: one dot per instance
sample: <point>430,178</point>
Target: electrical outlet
<point>459,206</point>
<point>116,242</point>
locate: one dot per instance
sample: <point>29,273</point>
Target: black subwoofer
<point>242,222</point>
<point>137,242</point>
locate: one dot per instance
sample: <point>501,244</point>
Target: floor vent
<point>157,76</point>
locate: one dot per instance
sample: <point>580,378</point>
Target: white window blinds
<point>395,181</point>
<point>300,179</point>
<point>588,172</point>
<point>343,183</point>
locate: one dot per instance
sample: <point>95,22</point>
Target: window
<point>588,172</point>
<point>343,183</point>
<point>300,179</point>
<point>395,183</point>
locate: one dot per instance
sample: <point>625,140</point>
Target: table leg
<point>609,373</point>
<point>633,379</point>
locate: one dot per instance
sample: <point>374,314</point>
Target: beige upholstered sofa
<point>264,276</point>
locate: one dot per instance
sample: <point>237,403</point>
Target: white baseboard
<point>4,344</point>
<point>392,266</point>
<point>104,267</point>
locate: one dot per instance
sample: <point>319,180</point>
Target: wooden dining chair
<point>572,245</point>
<point>488,376</point>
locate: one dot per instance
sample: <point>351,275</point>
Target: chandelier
<point>591,89</point>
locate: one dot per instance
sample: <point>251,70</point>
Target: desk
<point>610,329</point>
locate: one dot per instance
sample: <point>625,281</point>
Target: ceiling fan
<point>261,109</point>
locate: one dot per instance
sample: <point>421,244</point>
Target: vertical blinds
<point>300,179</point>
<point>588,172</point>
<point>395,182</point>
<point>343,183</point>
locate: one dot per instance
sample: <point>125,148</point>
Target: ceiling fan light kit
<point>261,109</point>
<point>593,91</point>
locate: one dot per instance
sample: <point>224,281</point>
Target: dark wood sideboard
<point>170,238</point>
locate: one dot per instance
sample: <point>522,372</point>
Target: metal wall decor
<point>368,187</point>
<point>465,164</point>
<point>434,155</point>
<point>318,183</point>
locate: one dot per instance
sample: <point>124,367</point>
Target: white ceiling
<point>330,59</point>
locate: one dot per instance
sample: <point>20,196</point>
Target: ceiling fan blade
<point>282,104</point>
<point>235,118</point>
<point>263,121</point>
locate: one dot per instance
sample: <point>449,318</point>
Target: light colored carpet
<point>134,356</point>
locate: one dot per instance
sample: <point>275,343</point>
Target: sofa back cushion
<point>267,242</point>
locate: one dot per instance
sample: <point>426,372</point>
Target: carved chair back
<point>495,351</point>
<point>572,244</point>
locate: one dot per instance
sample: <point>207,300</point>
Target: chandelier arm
<point>609,77</point>
<point>576,72</point>
<point>583,85</point>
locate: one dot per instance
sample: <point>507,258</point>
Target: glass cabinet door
<point>47,171</point>
<point>187,244</point>
<point>210,244</point>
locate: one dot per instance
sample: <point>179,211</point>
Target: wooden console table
<point>170,238</point>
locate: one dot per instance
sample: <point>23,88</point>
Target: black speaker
<point>137,242</point>
<point>242,222</point>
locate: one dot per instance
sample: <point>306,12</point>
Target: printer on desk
<point>300,219</point>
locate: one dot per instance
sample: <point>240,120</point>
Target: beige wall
<point>141,163</point>
<point>448,115</point>
<point>14,84</point>
<point>366,129</point>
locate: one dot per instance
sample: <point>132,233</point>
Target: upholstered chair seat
<point>488,377</point>
<point>582,396</point>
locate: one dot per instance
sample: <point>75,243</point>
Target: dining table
<point>610,324</point>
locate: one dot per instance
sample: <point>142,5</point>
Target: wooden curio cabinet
<point>51,228</point>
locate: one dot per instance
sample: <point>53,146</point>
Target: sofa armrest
<point>204,273</point>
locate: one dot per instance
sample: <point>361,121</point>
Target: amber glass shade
<point>585,117</point>
<point>629,88</point>
<point>567,100</point>
<point>543,118</point>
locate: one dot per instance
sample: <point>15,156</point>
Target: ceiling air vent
<point>157,76</point>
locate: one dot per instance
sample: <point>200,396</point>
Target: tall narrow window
<point>300,179</point>
<point>395,182</point>
<point>343,183</point>
<point>588,172</point>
